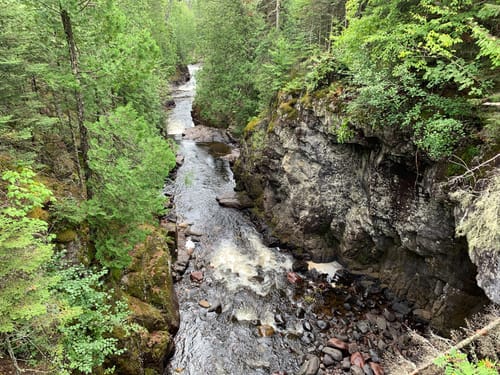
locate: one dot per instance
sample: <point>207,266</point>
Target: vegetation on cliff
<point>424,66</point>
<point>82,162</point>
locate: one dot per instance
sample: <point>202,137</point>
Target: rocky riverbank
<point>370,202</point>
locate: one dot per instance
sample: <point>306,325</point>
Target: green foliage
<point>24,249</point>
<point>438,136</point>
<point>129,161</point>
<point>87,319</point>
<point>226,91</point>
<point>456,363</point>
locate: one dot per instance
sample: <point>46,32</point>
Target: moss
<point>66,236</point>
<point>252,124</point>
<point>39,213</point>
<point>306,100</point>
<point>480,224</point>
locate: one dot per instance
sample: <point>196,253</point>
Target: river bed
<point>244,310</point>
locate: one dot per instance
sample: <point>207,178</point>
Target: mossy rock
<point>146,314</point>
<point>66,236</point>
<point>39,213</point>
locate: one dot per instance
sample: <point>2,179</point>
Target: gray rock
<point>367,369</point>
<point>334,353</point>
<point>364,198</point>
<point>355,370</point>
<point>328,361</point>
<point>363,326</point>
<point>310,366</point>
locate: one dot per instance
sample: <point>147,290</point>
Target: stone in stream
<point>388,315</point>
<point>204,303</point>
<point>338,344</point>
<point>357,359</point>
<point>334,353</point>
<point>196,276</point>
<point>293,278</point>
<point>328,360</point>
<point>307,325</point>
<point>310,366</point>
<point>322,325</point>
<point>367,369</point>
<point>377,369</point>
<point>235,200</point>
<point>345,364</point>
<point>363,326</point>
<point>265,330</point>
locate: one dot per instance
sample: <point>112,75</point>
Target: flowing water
<point>244,281</point>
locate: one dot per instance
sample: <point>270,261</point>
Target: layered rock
<point>147,285</point>
<point>371,202</point>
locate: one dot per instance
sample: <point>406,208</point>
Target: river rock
<point>196,276</point>
<point>322,325</point>
<point>310,366</point>
<point>328,360</point>
<point>265,330</point>
<point>235,200</point>
<point>363,326</point>
<point>377,369</point>
<point>293,278</point>
<point>337,343</point>
<point>356,370</point>
<point>334,353</point>
<point>367,369</point>
<point>204,303</point>
<point>388,315</point>
<point>357,359</point>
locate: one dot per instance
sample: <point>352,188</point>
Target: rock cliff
<point>371,202</point>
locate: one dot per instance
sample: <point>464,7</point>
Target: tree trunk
<point>278,15</point>
<point>80,108</point>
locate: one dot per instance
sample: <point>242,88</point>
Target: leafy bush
<point>456,363</point>
<point>87,316</point>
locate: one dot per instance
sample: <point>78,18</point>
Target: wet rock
<point>328,360</point>
<point>322,325</point>
<point>196,276</point>
<point>422,314</point>
<point>363,326</point>
<point>367,369</point>
<point>279,320</point>
<point>265,330</point>
<point>334,353</point>
<point>337,343</point>
<point>204,303</point>
<point>299,266</point>
<point>401,307</point>
<point>357,359</point>
<point>307,338</point>
<point>310,366</point>
<point>293,278</point>
<point>377,369</point>
<point>216,306</point>
<point>307,326</point>
<point>237,200</point>
<point>345,364</point>
<point>381,323</point>
<point>374,356</point>
<point>388,315</point>
<point>300,313</point>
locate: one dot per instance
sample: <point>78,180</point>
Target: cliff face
<point>370,202</point>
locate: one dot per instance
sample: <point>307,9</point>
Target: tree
<point>24,250</point>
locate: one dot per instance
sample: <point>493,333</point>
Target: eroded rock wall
<point>370,202</point>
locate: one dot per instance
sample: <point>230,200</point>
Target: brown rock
<point>336,343</point>
<point>376,368</point>
<point>293,278</point>
<point>357,359</point>
<point>196,276</point>
<point>204,303</point>
<point>265,330</point>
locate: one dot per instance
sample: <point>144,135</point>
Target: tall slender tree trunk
<point>277,10</point>
<point>80,107</point>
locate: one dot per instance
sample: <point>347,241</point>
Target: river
<point>243,311</point>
